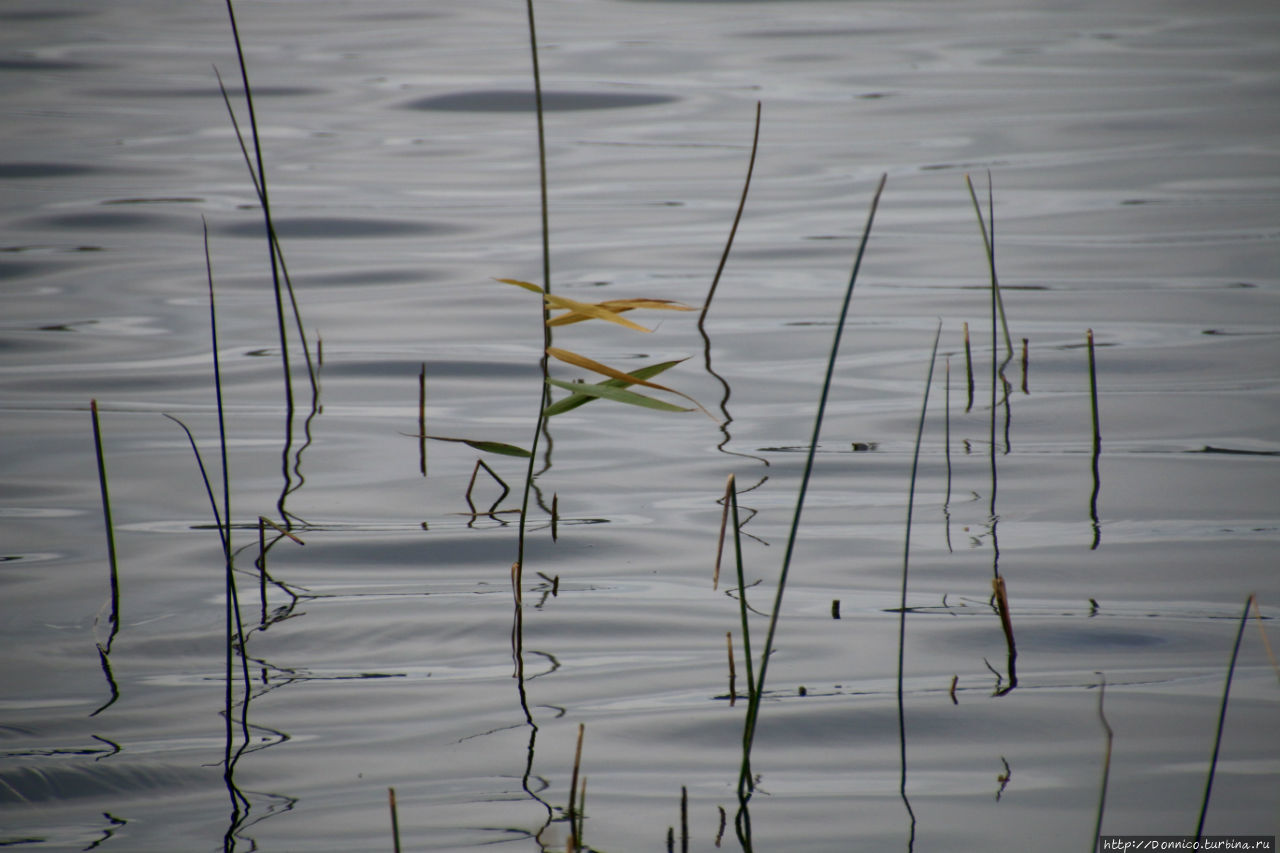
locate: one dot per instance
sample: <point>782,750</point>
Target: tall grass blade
<point>988,242</point>
<point>264,198</point>
<point>754,707</point>
<point>1222,717</point>
<point>902,608</point>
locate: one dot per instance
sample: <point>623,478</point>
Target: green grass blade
<point>576,399</point>
<point>485,446</point>
<point>620,395</point>
<point>754,709</point>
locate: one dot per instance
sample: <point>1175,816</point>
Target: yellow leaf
<point>618,306</point>
<point>575,317</point>
<point>518,283</point>
<point>588,364</point>
<point>592,310</point>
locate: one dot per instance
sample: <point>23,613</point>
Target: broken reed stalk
<point>684,819</point>
<point>754,703</point>
<point>733,674</point>
<point>906,557</point>
<point>733,229</point>
<point>480,463</point>
<point>395,819</point>
<point>946,425</point>
<point>544,392</point>
<point>1106,762</point>
<point>1001,597</point>
<point>1025,364</point>
<point>1097,443</point>
<point>1222,716</point>
<point>968,366</point>
<point>572,812</point>
<point>111,533</point>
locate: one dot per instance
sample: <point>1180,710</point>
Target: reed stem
<point>733,229</point>
<point>754,708</point>
<point>1222,717</point>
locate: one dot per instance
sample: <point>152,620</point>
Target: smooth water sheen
<point>1133,150</point>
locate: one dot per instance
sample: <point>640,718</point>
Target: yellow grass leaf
<point>592,310</point>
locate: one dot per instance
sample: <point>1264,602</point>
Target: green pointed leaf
<point>486,446</point>
<point>621,395</point>
<point>575,400</point>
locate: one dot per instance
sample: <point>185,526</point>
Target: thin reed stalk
<point>1106,762</point>
<point>264,199</point>
<point>1097,444</point>
<point>572,812</point>
<point>902,607</point>
<point>544,392</point>
<point>754,705</point>
<point>1222,717</point>
<point>113,566</point>
<point>733,229</point>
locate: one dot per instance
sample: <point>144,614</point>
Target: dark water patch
<point>20,269</point>
<point>94,779</point>
<point>517,100</point>
<point>32,64</point>
<point>158,200</point>
<point>1071,639</point>
<point>211,91</point>
<point>43,14</point>
<point>436,370</point>
<point>358,278</point>
<point>28,171</point>
<point>1232,451</point>
<point>334,228</point>
<point>105,221</point>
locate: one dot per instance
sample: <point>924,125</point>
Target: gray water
<point>1136,171</point>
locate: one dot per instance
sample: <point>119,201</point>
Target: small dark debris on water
<point>1209,448</point>
<point>835,608</point>
<point>801,691</point>
<point>865,446</point>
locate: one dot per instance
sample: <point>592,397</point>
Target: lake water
<point>1136,170</point>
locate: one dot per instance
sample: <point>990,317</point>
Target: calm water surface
<point>1137,193</point>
